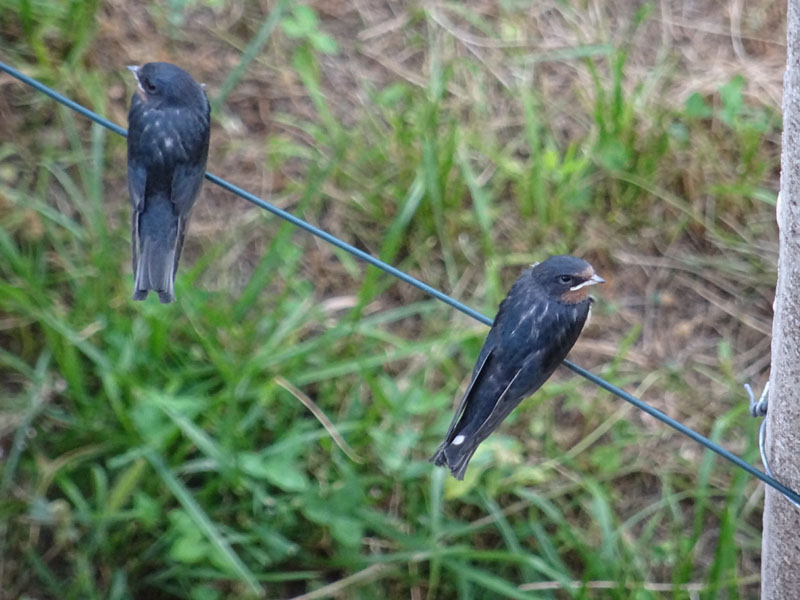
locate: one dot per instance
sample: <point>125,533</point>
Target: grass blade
<point>200,518</point>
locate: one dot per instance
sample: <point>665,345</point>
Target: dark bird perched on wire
<point>536,326</point>
<point>168,133</point>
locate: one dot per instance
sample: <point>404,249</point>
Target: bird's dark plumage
<point>536,326</point>
<point>168,134</point>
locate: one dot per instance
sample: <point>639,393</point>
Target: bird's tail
<point>155,238</point>
<point>456,458</point>
<point>155,271</point>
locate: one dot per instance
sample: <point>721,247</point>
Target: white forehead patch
<point>458,440</point>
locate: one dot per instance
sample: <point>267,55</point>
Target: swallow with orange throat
<point>536,326</point>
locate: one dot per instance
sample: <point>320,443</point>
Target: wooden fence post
<point>780,546</point>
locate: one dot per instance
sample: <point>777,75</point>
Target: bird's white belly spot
<point>458,440</point>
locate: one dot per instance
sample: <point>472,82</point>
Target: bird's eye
<point>149,86</point>
<point>565,278</point>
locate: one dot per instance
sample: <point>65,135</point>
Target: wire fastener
<point>758,408</point>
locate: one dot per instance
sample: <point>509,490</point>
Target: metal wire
<point>759,409</point>
<point>439,295</point>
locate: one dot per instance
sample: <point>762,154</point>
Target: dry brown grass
<point>692,290</point>
<point>686,295</point>
<point>683,47</point>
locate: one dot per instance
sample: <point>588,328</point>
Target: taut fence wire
<point>439,295</point>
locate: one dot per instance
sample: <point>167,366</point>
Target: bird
<point>168,136</point>
<point>537,324</point>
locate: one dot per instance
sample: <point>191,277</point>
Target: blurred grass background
<point>154,451</point>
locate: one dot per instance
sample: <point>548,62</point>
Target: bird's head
<point>166,84</point>
<point>566,278</point>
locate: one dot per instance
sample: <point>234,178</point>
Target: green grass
<point>169,451</point>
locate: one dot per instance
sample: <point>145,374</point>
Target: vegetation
<point>270,430</point>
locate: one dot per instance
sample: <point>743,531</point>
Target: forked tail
<point>456,458</point>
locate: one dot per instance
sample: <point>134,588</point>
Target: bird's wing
<point>137,183</point>
<point>186,181</point>
<point>509,350</point>
<point>192,136</point>
<point>137,169</point>
<point>462,406</point>
<point>501,408</point>
<point>183,222</point>
<point>488,400</point>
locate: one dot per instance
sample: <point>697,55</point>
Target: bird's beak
<point>135,70</point>
<point>593,280</point>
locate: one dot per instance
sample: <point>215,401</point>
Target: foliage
<point>169,451</point>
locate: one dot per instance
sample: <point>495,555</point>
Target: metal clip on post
<point>758,408</point>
